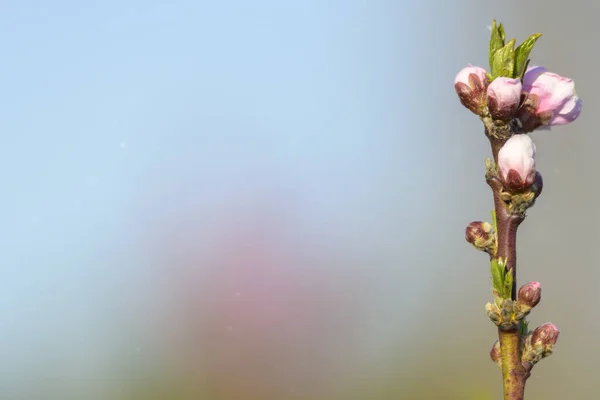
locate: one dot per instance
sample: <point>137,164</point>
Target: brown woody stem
<point>514,373</point>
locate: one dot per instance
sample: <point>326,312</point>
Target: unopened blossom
<point>503,97</point>
<point>540,343</point>
<point>545,335</point>
<point>530,294</point>
<point>481,235</point>
<point>516,162</point>
<point>470,85</point>
<point>550,100</point>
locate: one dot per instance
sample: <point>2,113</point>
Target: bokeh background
<point>266,199</point>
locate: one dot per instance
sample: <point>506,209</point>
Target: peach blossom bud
<point>503,97</point>
<point>545,335</point>
<point>530,294</point>
<point>480,235</point>
<point>470,85</point>
<point>551,100</point>
<point>516,162</point>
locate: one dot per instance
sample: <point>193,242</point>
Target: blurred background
<point>266,199</point>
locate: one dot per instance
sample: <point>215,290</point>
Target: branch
<point>513,372</point>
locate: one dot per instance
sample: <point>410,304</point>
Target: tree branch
<point>514,373</point>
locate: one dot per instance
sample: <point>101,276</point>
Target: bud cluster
<point>536,345</point>
<point>539,99</point>
<point>513,94</point>
<point>514,99</point>
<point>506,313</point>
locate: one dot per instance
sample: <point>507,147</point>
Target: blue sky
<point>103,102</point>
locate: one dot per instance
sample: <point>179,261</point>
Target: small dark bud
<point>481,235</point>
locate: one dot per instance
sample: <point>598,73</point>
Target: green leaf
<point>503,62</point>
<point>522,54</point>
<point>498,276</point>
<point>501,278</point>
<point>496,41</point>
<point>508,283</point>
<point>494,223</point>
<point>524,69</point>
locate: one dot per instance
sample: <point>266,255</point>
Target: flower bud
<point>516,162</point>
<point>503,97</point>
<point>495,354</point>
<point>550,100</point>
<point>530,294</point>
<point>481,235</point>
<point>545,335</point>
<point>470,85</point>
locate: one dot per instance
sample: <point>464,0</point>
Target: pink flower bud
<point>551,100</point>
<point>470,85</point>
<point>516,162</point>
<point>546,335</point>
<point>481,235</point>
<point>503,97</point>
<point>530,294</point>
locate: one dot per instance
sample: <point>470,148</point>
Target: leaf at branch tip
<point>503,62</point>
<point>496,41</point>
<point>522,55</point>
